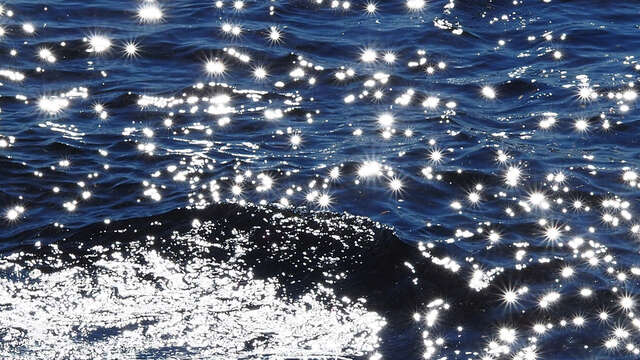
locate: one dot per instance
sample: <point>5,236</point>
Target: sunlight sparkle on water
<point>488,92</point>
<point>508,180</point>
<point>28,28</point>
<point>416,4</point>
<point>324,201</point>
<point>46,54</point>
<point>581,125</point>
<point>260,73</point>
<point>512,177</point>
<point>396,185</point>
<point>369,55</point>
<point>52,105</point>
<point>370,169</point>
<point>436,156</point>
<point>215,67</point>
<point>386,120</point>
<point>150,12</point>
<point>274,35</point>
<point>14,213</point>
<point>371,8</point>
<point>389,57</point>
<point>130,49</point>
<point>99,44</point>
<point>431,102</point>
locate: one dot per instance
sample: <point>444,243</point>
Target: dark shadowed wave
<point>380,288</point>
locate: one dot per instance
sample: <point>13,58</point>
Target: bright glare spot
<point>385,120</point>
<point>334,173</point>
<point>296,140</point>
<point>260,73</point>
<point>510,297</point>
<point>324,201</point>
<point>99,44</point>
<point>369,169</point>
<point>578,321</point>
<point>47,55</point>
<point>586,292</point>
<point>150,12</point>
<point>371,8</point>
<point>431,102</point>
<point>389,57</point>
<point>586,93</point>
<point>581,125</point>
<point>130,49</point>
<point>488,92</point>
<point>28,28</point>
<point>13,213</point>
<point>52,105</point>
<point>436,156</point>
<point>626,302</point>
<point>369,55</point>
<point>567,272</point>
<point>512,176</point>
<point>507,335</point>
<point>473,197</point>
<point>274,35</point>
<point>215,67</point>
<point>416,4</point>
<point>395,184</point>
<point>238,5</point>
<point>552,233</point>
<point>547,122</point>
<point>538,199</point>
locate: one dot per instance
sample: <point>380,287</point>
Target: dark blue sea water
<point>316,179</point>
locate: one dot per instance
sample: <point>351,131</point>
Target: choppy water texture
<point>319,179</point>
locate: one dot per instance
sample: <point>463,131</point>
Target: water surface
<point>319,179</point>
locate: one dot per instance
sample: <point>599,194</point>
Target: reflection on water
<point>132,301</point>
<point>496,138</point>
